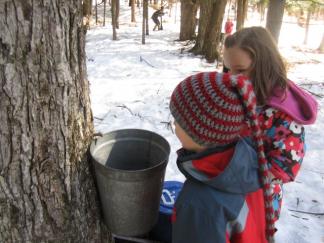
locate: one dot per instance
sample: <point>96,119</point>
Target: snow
<point>131,85</point>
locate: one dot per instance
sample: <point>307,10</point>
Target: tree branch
<point>311,213</point>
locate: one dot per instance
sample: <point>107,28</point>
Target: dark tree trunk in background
<point>188,19</point>
<point>117,13</point>
<point>145,7</point>
<point>104,12</point>
<point>96,9</point>
<point>147,31</point>
<point>114,18</point>
<point>204,18</point>
<point>210,26</point>
<point>274,17</point>
<point>47,192</point>
<point>87,7</point>
<point>87,12</point>
<point>241,12</point>
<point>214,31</point>
<point>133,11</point>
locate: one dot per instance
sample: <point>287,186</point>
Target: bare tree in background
<point>132,2</point>
<point>114,18</point>
<point>104,12</point>
<point>117,13</point>
<point>241,12</point>
<point>274,17</point>
<point>144,22</point>
<point>147,31</point>
<point>87,12</point>
<point>47,192</point>
<point>209,31</point>
<point>188,19</point>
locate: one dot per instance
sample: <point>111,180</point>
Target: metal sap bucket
<point>129,168</point>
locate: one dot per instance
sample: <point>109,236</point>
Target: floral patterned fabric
<point>284,142</point>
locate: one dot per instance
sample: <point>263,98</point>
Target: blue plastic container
<point>162,231</point>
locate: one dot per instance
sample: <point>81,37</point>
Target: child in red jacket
<point>222,199</point>
<point>228,27</point>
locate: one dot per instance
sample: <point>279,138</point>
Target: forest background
<point>47,190</point>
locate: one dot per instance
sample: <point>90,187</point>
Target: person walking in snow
<point>155,17</point>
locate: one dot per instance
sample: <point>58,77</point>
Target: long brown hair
<point>268,72</point>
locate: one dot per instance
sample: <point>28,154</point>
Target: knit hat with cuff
<point>213,108</point>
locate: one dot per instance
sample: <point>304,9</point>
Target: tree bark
<point>145,6</point>
<point>87,7</point>
<point>87,12</point>
<point>104,12</point>
<point>241,12</point>
<point>117,13</point>
<point>47,192</point>
<point>274,17</point>
<point>188,19</point>
<point>204,18</point>
<point>147,32</point>
<point>133,11</point>
<point>96,10</point>
<point>210,28</point>
<point>214,33</point>
<point>114,18</point>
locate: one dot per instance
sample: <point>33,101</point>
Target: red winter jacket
<point>221,200</point>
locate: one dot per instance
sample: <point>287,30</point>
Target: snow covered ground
<point>131,85</point>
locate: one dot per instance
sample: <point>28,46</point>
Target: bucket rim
<point>158,165</point>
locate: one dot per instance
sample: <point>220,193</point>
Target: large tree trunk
<point>188,19</point>
<point>214,31</point>
<point>241,11</point>
<point>47,192</point>
<point>87,12</point>
<point>205,15</point>
<point>274,17</point>
<point>210,26</point>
